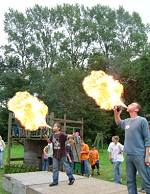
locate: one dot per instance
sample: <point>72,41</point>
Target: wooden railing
<point>22,133</point>
<point>40,134</point>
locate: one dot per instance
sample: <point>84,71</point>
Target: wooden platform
<point>38,183</point>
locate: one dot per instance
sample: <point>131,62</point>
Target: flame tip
<point>29,110</point>
<point>105,90</point>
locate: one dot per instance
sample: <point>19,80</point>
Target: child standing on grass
<point>84,157</point>
<point>94,159</point>
<point>2,147</point>
<point>115,150</point>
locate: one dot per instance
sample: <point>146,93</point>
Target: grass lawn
<point>17,151</point>
<point>105,166</point>
<point>106,169</point>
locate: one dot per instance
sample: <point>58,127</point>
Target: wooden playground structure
<point>35,141</point>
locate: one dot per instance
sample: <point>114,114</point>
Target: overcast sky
<point>140,6</point>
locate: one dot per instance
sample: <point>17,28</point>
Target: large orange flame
<point>29,110</point>
<point>104,89</point>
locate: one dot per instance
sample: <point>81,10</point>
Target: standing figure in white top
<point>2,146</point>
<point>50,154</point>
<point>115,150</point>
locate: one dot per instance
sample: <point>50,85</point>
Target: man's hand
<point>117,111</point>
<point>147,156</point>
<point>147,160</point>
<point>117,115</point>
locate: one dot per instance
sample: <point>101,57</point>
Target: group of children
<point>89,156</point>
<point>60,151</point>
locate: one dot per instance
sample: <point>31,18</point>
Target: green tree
<point>50,51</point>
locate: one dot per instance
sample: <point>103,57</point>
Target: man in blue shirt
<point>136,146</point>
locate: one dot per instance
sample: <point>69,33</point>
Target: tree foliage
<point>51,50</point>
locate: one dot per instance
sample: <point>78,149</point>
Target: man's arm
<point>117,115</point>
<point>146,136</point>
<point>147,156</point>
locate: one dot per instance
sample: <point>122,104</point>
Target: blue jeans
<point>117,170</point>
<point>134,164</point>
<point>45,165</point>
<point>69,166</point>
<point>85,167</point>
<point>56,166</point>
<point>1,159</point>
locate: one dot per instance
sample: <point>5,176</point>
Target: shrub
<point>19,168</point>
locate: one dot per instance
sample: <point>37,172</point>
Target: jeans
<point>45,165</point>
<point>85,167</point>
<point>56,166</point>
<point>69,166</point>
<point>117,170</point>
<point>1,159</point>
<point>134,164</point>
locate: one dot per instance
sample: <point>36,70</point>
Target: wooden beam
<point>17,159</point>
<point>67,121</point>
<point>9,138</point>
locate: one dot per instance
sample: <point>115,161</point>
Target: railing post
<point>9,138</point>
<point>65,123</point>
<point>82,129</point>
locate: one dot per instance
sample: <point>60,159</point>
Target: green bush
<point>19,168</point>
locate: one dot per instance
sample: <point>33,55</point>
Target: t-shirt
<point>137,135</point>
<point>84,156</point>
<point>93,156</point>
<point>2,145</point>
<point>69,151</point>
<point>116,151</point>
<point>58,141</point>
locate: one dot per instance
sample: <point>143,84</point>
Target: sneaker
<point>53,184</point>
<point>71,181</point>
<point>87,175</point>
<point>98,173</point>
<point>142,191</point>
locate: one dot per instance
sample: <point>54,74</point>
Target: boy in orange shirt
<point>84,157</point>
<point>94,159</point>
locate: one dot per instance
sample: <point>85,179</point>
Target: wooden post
<point>51,119</point>
<point>9,138</point>
<point>81,129</point>
<point>102,141</point>
<point>65,123</point>
<point>99,139</point>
